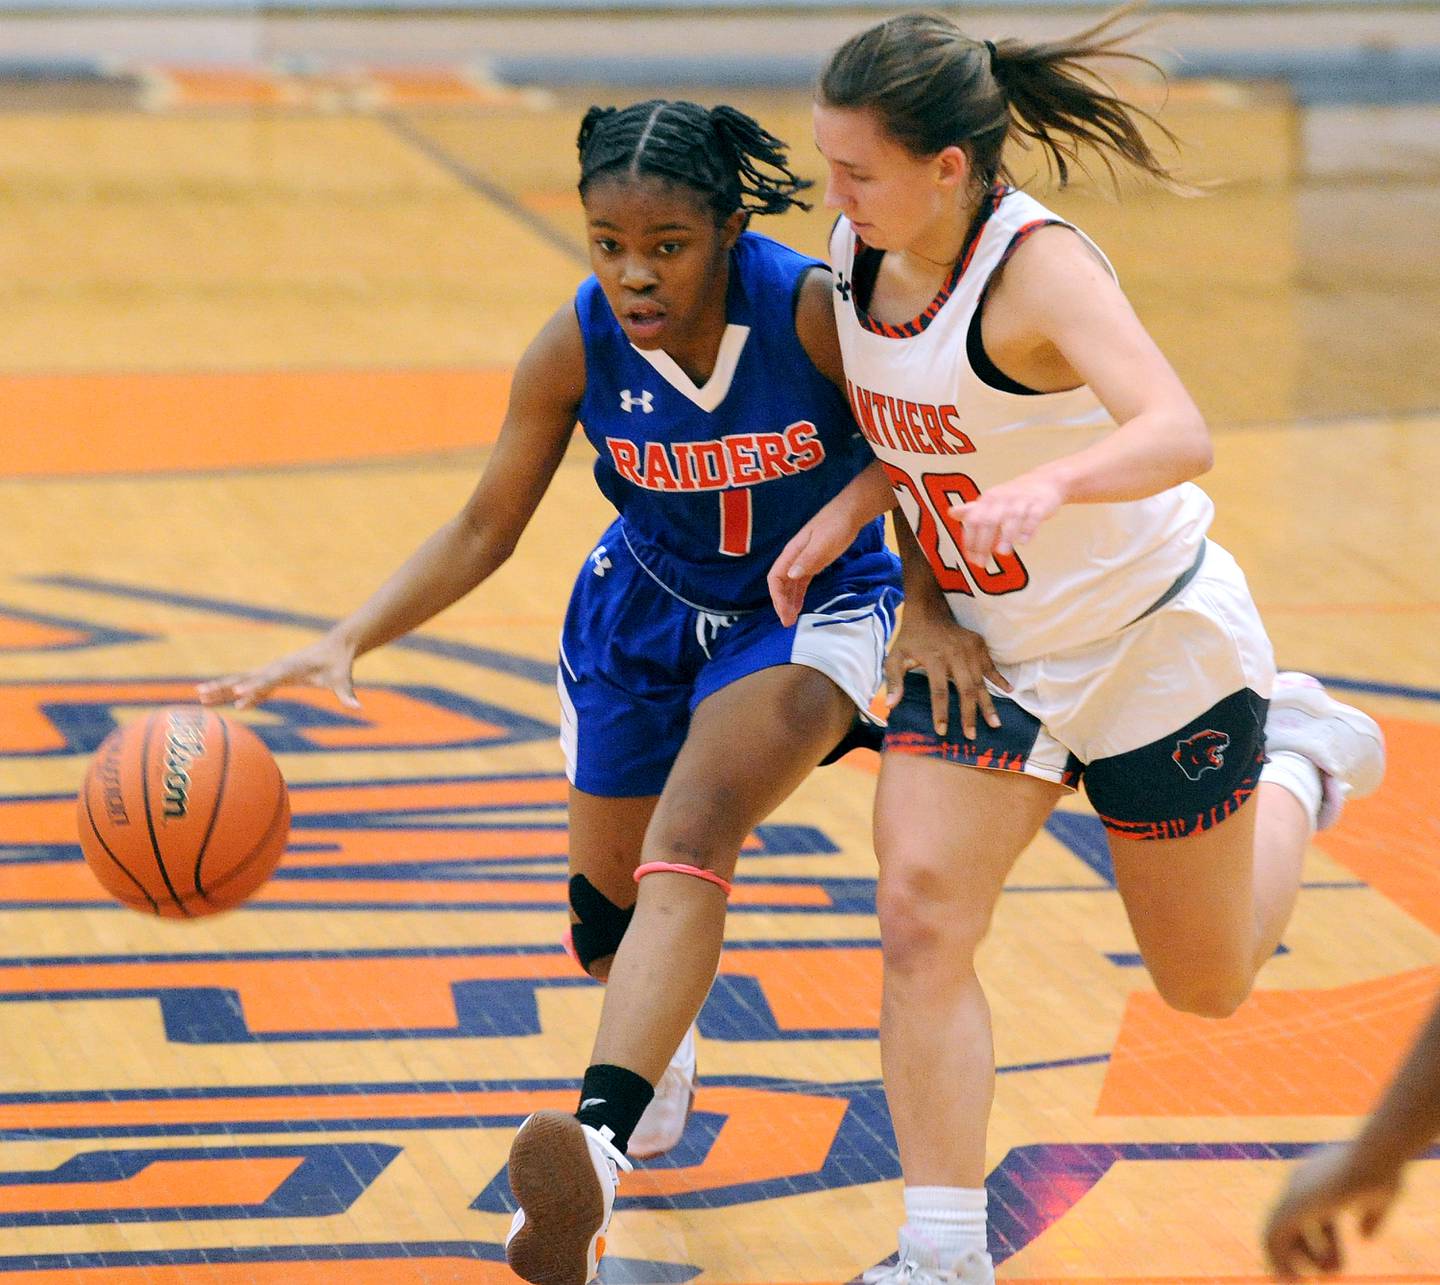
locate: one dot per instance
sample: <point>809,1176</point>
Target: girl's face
<point>660,259</point>
<point>893,198</point>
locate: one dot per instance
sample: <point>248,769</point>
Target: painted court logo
<point>1201,753</point>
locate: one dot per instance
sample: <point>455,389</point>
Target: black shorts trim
<point>1188,781</point>
<point>1183,783</point>
<point>1195,824</point>
<point>1020,744</point>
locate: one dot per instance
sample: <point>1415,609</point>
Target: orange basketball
<point>183,813</point>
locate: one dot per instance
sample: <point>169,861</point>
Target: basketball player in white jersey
<point>1040,446</point>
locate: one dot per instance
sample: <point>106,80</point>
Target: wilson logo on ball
<point>183,813</point>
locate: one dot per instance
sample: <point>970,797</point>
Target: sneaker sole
<point>554,1182</point>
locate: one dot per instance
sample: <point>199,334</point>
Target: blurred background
<point>311,184</point>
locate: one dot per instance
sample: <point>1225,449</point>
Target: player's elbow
<point>1195,451</point>
<point>485,543</point>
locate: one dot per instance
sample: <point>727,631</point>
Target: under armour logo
<point>628,400</point>
<point>842,287</point>
<point>601,562</point>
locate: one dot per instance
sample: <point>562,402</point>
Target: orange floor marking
<point>1390,839</point>
<point>352,88</point>
<point>516,792</point>
<point>353,1271</point>
<point>283,1108</point>
<point>437,87</point>
<point>780,1134</point>
<point>747,1108</point>
<point>223,87</point>
<point>69,882</point>
<point>1257,1063</point>
<point>161,1185</point>
<point>25,635</point>
<point>415,992</point>
<point>72,425</point>
<point>388,717</point>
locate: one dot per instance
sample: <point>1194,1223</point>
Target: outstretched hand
<point>950,655</point>
<point>1302,1232</point>
<point>813,548</point>
<point>325,663</point>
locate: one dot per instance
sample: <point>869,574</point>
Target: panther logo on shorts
<point>1201,753</point>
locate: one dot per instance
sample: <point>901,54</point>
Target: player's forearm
<point>922,593</point>
<point>1408,1117</point>
<point>438,574</point>
<point>1144,456</point>
<point>868,496</point>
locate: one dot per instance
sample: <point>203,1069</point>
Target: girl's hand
<point>950,655</point>
<point>325,663</point>
<point>1302,1233</point>
<point>813,548</point>
<point>1005,516</point>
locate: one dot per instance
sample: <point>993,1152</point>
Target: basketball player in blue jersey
<point>704,365</point>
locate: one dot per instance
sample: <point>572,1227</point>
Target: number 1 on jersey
<point>736,524</point>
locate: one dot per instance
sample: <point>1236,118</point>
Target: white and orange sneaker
<point>1344,743</point>
<point>564,1175</point>
<point>662,1124</point>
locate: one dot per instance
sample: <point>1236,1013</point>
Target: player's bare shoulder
<point>815,323</point>
<point>1049,258</point>
<point>552,369</point>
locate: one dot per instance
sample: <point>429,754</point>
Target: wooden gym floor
<point>255,338</point>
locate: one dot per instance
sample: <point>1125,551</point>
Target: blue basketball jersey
<point>712,482</point>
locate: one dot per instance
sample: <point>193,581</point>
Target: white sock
<point>947,1221</point>
<point>1297,774</point>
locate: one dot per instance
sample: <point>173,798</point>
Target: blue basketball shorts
<point>1164,722</point>
<point>635,660</point>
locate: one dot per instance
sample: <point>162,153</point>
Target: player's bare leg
<point>749,746</point>
<point>606,836</point>
<point>1209,909</point>
<point>942,868</point>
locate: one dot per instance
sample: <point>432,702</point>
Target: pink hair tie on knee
<point>671,867</point>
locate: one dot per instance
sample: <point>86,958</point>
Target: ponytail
<point>933,87</point>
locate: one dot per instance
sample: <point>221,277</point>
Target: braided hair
<point>720,152</point>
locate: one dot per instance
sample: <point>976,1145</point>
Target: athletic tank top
<point>944,434</point>
<point>712,482</point>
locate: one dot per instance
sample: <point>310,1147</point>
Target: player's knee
<point>924,927</point>
<point>1216,993</point>
<point>701,840</point>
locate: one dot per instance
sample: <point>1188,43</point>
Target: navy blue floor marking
<point>486,657</point>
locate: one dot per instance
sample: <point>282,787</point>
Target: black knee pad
<point>601,922</point>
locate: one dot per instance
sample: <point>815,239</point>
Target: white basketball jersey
<point>944,434</point>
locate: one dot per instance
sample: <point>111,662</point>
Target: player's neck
<point>697,351</point>
<point>940,244</point>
